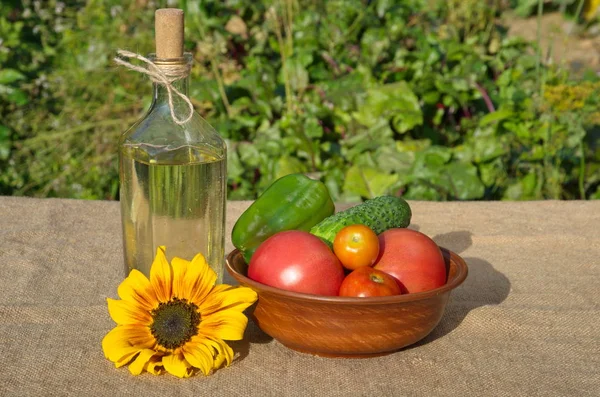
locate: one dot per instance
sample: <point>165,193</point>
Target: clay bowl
<point>333,326</point>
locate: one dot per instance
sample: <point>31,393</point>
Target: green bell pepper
<point>292,202</point>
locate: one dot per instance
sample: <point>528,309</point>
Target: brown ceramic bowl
<point>334,326</point>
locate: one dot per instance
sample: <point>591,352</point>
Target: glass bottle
<point>173,181</point>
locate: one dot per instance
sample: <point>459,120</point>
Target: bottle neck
<point>161,94</point>
<point>176,95</point>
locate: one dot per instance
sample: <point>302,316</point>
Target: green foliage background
<point>428,99</point>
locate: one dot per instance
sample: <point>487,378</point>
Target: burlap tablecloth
<point>525,322</point>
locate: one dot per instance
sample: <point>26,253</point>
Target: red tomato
<point>356,246</point>
<point>412,258</point>
<point>366,281</point>
<point>297,261</point>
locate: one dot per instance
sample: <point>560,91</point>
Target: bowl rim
<point>459,277</point>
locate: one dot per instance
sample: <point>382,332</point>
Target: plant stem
<point>579,8</point>
<point>570,31</point>
<point>581,143</point>
<point>468,18</point>
<point>550,164</point>
<point>355,24</point>
<point>487,34</point>
<point>582,170</point>
<point>486,98</point>
<point>216,72</point>
<point>451,17</point>
<point>289,27</point>
<point>563,7</point>
<point>286,77</point>
<point>540,11</point>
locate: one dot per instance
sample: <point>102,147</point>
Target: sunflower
<point>177,321</point>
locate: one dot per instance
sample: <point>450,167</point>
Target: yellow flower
<point>177,321</point>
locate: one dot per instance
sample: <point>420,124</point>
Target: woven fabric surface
<point>526,322</point>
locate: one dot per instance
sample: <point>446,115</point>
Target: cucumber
<point>380,214</point>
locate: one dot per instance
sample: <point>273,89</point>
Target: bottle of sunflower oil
<point>172,166</point>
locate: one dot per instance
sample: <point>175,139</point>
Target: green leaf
<point>435,156</point>
<point>439,114</point>
<point>498,115</point>
<point>391,101</point>
<point>390,160</point>
<point>235,168</point>
<point>431,97</point>
<point>312,129</point>
<point>460,85</point>
<point>288,165</point>
<point>333,181</point>
<point>525,7</point>
<point>412,145</point>
<point>423,191</point>
<point>8,76</point>
<point>249,154</point>
<point>464,182</point>
<point>14,95</point>
<point>205,90</point>
<point>524,189</point>
<point>486,149</point>
<point>374,43</point>
<point>522,130</point>
<point>383,6</point>
<point>344,91</point>
<point>296,73</point>
<point>493,173</point>
<point>368,182</point>
<point>365,160</point>
<point>5,142</point>
<point>535,153</point>
<point>463,153</point>
<point>575,135</point>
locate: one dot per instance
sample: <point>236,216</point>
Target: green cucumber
<point>380,214</point>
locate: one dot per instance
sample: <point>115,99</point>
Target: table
<point>526,322</point>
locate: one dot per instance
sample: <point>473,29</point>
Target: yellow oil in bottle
<point>175,198</point>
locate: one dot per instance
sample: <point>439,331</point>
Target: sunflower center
<point>174,322</point>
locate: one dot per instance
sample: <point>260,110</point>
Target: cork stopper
<point>168,23</point>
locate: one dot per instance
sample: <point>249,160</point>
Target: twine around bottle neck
<point>164,74</point>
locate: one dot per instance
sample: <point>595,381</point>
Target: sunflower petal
<point>116,347</point>
<point>230,298</point>
<point>136,288</point>
<point>180,268</point>
<point>155,365</point>
<point>126,359</point>
<point>227,324</point>
<point>224,352</point>
<point>199,356</point>
<point>176,364</point>
<point>138,365</point>
<point>126,313</point>
<point>220,288</point>
<point>122,343</point>
<point>122,356</point>
<point>161,275</point>
<point>199,279</point>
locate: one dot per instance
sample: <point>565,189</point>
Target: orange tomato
<point>356,246</point>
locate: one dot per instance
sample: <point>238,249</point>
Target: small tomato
<point>356,246</point>
<point>366,281</point>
